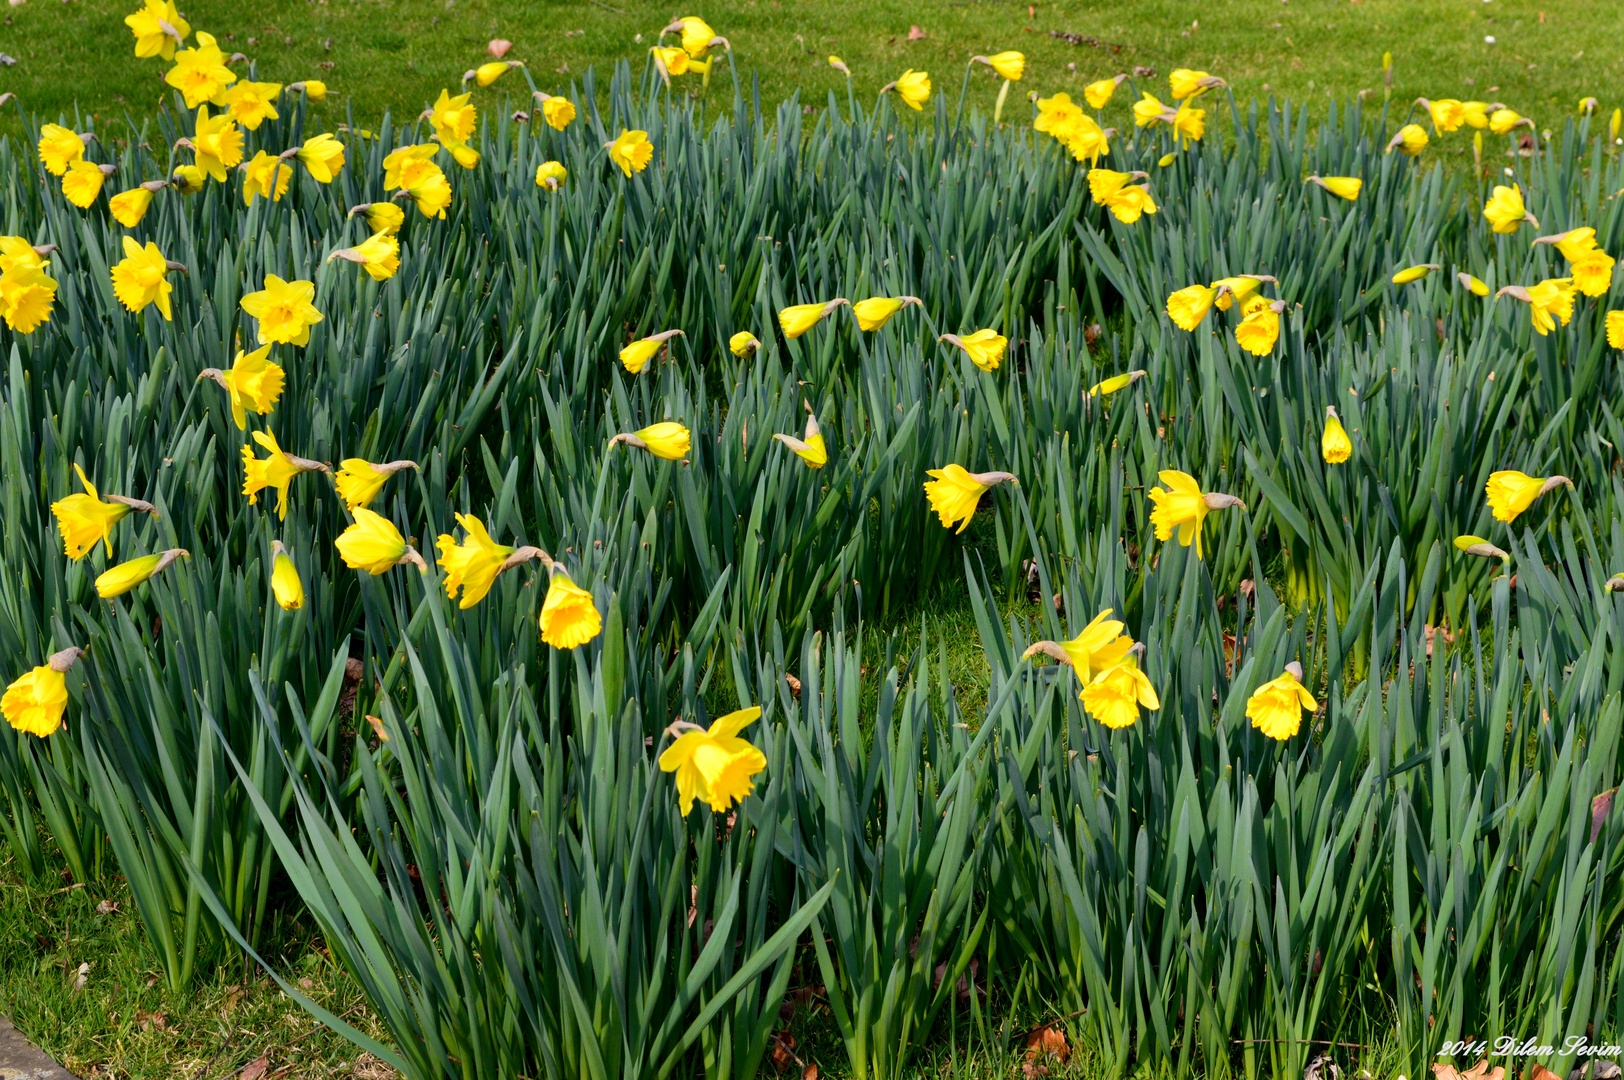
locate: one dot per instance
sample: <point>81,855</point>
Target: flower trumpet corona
<point>200,73</point>
<point>1343,187</point>
<point>985,348</point>
<point>1116,383</point>
<point>631,151</point>
<point>127,575</point>
<point>1276,707</point>
<point>1414,273</point>
<point>372,543</point>
<point>1411,139</point>
<point>714,764</point>
<point>1103,183</point>
<point>1100,646</point>
<point>1505,210</point>
<point>140,278</point>
<point>551,175</point>
<point>60,147</point>
<point>1615,329</point>
<point>797,319</point>
<point>1259,327</point>
<point>251,103</point>
<point>276,471</point>
<point>216,143</point>
<point>1114,696</point>
<point>284,310</point>
<point>322,156</point>
<point>1477,545</point>
<point>1239,290</point>
<point>743,344</point>
<point>955,492</point>
<point>129,207</point>
<point>378,255</point>
<point>83,182</point>
<point>913,87</point>
<point>36,701</point>
<point>1098,94</point>
<point>1335,446</point>
<point>557,111</point>
<point>635,357</point>
<point>1010,65</point>
<point>1548,302</point>
<point>876,311</point>
<point>474,564</point>
<point>158,29</point>
<point>285,584</point>
<point>667,440</point>
<point>1511,492</point>
<point>1189,305</point>
<point>1183,506</point>
<point>811,449</point>
<point>1471,284</point>
<point>569,618</point>
<point>426,185</point>
<point>84,519</point>
<point>359,481</point>
<point>253,382</point>
<point>1185,83</point>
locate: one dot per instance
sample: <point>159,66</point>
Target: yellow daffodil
<point>453,118</point>
<point>955,492</point>
<point>840,65</point>
<point>1511,492</point>
<point>1592,273</point>
<point>322,156</point>
<point>1477,545</point>
<point>876,311</point>
<point>1259,328</point>
<point>714,765</point>
<point>253,381</point>
<point>670,61</point>
<point>128,575</point>
<point>1115,383</point>
<point>1183,506</point>
<point>1189,305</point>
<point>1189,123</point>
<point>139,278</point>
<point>276,471</point>
<point>36,701</point>
<point>1128,203</point>
<point>1103,183</point>
<point>743,344</point>
<point>1335,446</point>
<point>16,253</point>
<point>1505,210</point>
<point>1414,273</point>
<point>1447,114</point>
<point>285,584</point>
<point>810,449</point>
<point>1502,121</point>
<point>1166,159</point>
<point>1548,302</point>
<point>314,90</point>
<point>1114,696</point>
<point>1100,646</point>
<point>631,151</point>
<point>1239,289</point>
<point>1276,707</point>
<point>1476,113</point>
<point>1574,244</point>
<point>372,543</point>
<point>60,147</point>
<point>378,255</point>
<point>200,73</point>
<point>557,111</point>
<point>359,481</point>
<point>381,217</point>
<point>1472,284</point>
<point>1011,65</point>
<point>668,440</point>
<point>1098,94</point>
<point>266,177</point>
<point>551,175</point>
<point>1185,83</point>
<point>216,143</point>
<point>799,318</point>
<point>1343,187</point>
<point>84,520</point>
<point>1054,112</point>
<point>697,35</point>
<point>189,179</point>
<point>251,103</point>
<point>397,161</point>
<point>473,565</point>
<point>1087,141</point>
<point>426,185</point>
<point>635,357</point>
<point>913,87</point>
<point>486,74</point>
<point>1410,139</point>
<point>569,618</point>
<point>284,310</point>
<point>27,295</point>
<point>1149,110</point>
<point>83,182</point>
<point>985,348</point>
<point>1615,329</point>
<point>129,207</point>
<point>158,28</point>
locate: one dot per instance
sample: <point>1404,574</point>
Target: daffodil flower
<point>1115,383</point>
<point>1114,696</point>
<point>569,618</point>
<point>1183,506</point>
<point>1260,328</point>
<point>128,575</point>
<point>714,764</point>
<point>1411,139</point>
<point>381,217</point>
<point>83,182</point>
<point>27,295</point>
<point>697,36</point>
<point>1276,707</point>
<point>426,185</point>
<point>251,103</point>
<point>876,311</point>
<point>1335,446</point>
<point>253,382</point>
<point>314,90</point>
<point>635,357</point>
<point>1505,210</point>
<point>140,278</point>
<point>1009,65</point>
<point>60,147</point>
<point>1100,646</point>
<point>913,87</point>
<point>158,29</point>
<point>486,74</point>
<point>359,481</point>
<point>284,310</point>
<point>129,207</point>
<point>1615,329</point>
<point>799,318</point>
<point>1098,94</point>
<point>1130,202</point>
<point>474,564</point>
<point>84,520</point>
<point>276,471</point>
<point>668,440</point>
<point>985,348</point>
<point>1477,545</point>
<point>1414,273</point>
<point>631,152</point>
<point>742,344</point>
<point>285,584</point>
<point>1189,306</point>
<point>557,111</point>
<point>372,543</point>
<point>200,73</point>
<point>1343,187</point>
<point>36,701</point>
<point>810,449</point>
<point>1103,183</point>
<point>378,255</point>
<point>1447,114</point>
<point>1239,289</point>
<point>955,492</point>
<point>322,156</point>
<point>1472,284</point>
<point>1511,492</point>
<point>1548,302</point>
<point>551,175</point>
<point>1185,83</point>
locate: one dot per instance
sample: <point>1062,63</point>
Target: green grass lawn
<point>397,55</point>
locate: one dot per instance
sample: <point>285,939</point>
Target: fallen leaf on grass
<point>499,47</point>
<point>914,33</point>
<point>1480,1071</point>
<point>152,1021</point>
<point>810,1072</point>
<point>254,1069</point>
<point>1540,1072</point>
<point>783,1049</point>
<point>106,907</point>
<point>81,977</point>
<point>1047,1041</point>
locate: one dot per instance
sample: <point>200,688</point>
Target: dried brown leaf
<point>499,47</point>
<point>255,1069</point>
<point>915,34</point>
<point>1047,1041</point>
